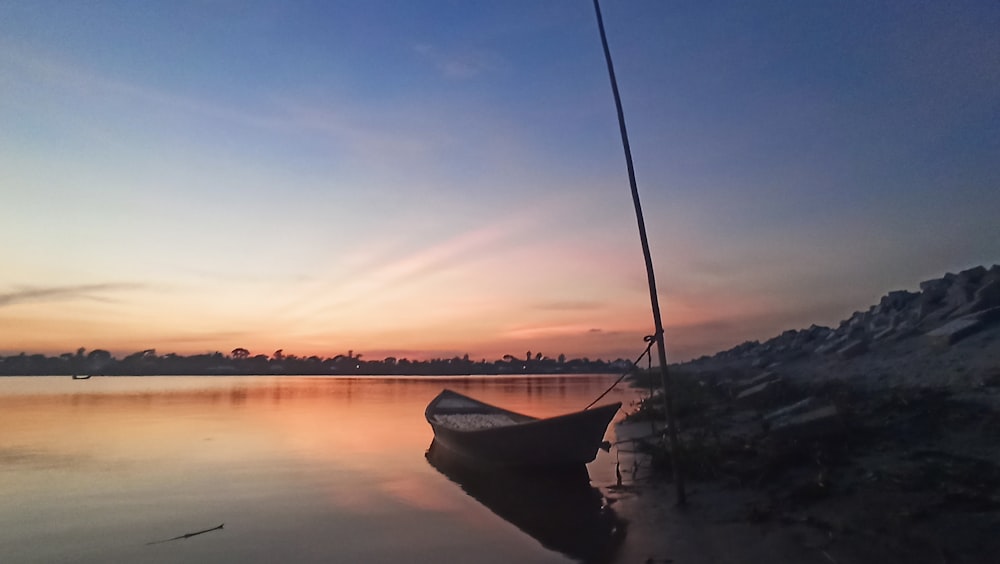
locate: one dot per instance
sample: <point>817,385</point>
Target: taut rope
<point>650,340</point>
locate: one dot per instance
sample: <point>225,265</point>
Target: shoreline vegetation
<point>871,442</point>
<point>240,362</point>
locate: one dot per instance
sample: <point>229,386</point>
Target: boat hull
<point>566,440</point>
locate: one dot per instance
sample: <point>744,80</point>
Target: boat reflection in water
<point>560,509</point>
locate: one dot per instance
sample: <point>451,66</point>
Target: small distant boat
<point>81,376</point>
<point>497,437</point>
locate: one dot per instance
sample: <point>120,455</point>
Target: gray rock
<point>813,333</point>
<point>853,349</point>
<point>988,295</point>
<point>932,291</point>
<point>793,409</point>
<point>858,320</point>
<point>831,346</point>
<point>756,380</point>
<point>813,424</point>
<point>897,300</point>
<point>947,311</point>
<point>855,333</point>
<point>906,328</point>
<point>959,294</point>
<point>762,395</point>
<point>884,333</point>
<point>927,307</point>
<point>987,316</point>
<point>879,322</point>
<point>954,331</point>
<point>972,276</point>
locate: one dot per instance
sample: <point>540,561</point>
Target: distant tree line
<point>240,361</point>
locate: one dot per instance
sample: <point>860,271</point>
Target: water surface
<point>300,469</point>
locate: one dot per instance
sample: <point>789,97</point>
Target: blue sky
<point>436,178</point>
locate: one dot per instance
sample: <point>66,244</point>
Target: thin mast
<point>653,299</point>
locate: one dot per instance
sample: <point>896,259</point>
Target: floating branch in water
<point>189,535</point>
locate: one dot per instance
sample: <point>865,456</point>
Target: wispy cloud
<point>206,337</point>
<point>83,81</point>
<point>89,292</point>
<point>458,65</point>
<point>547,331</point>
<point>568,305</point>
<point>430,260</point>
<point>372,132</point>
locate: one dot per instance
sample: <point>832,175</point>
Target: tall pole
<point>653,299</point>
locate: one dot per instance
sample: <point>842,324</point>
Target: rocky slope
<point>916,338</point>
<point>875,441</point>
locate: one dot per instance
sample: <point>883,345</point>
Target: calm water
<point>300,469</point>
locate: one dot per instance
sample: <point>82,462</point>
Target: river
<point>298,469</point>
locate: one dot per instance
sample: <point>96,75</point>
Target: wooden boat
<point>493,436</point>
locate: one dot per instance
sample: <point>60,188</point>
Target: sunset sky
<point>433,178</point>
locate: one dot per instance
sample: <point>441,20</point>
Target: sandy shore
<point>709,530</point>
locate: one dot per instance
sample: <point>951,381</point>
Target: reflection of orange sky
<point>373,428</point>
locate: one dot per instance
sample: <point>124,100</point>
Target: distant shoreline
<point>147,363</point>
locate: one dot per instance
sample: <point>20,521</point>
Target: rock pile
<point>943,312</point>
